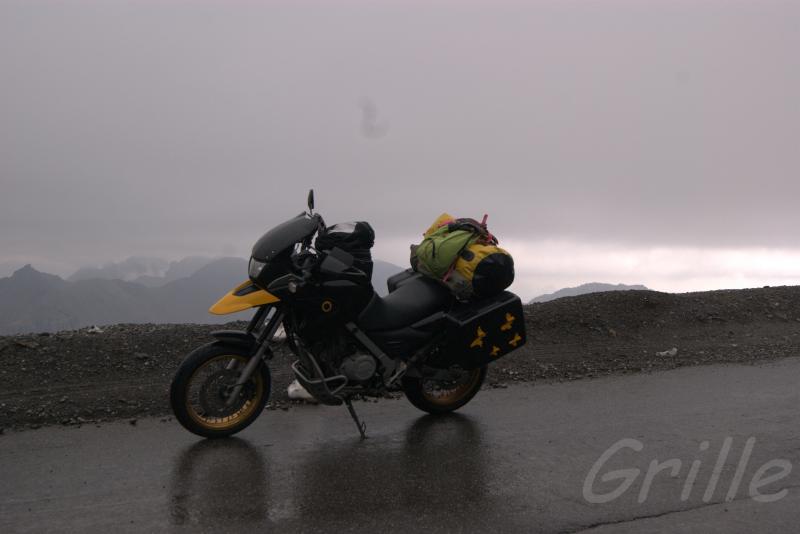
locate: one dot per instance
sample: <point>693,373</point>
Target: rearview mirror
<point>310,200</point>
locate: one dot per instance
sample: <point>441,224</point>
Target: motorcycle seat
<point>410,302</point>
<point>396,280</point>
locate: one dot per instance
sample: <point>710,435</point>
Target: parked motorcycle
<point>348,340</point>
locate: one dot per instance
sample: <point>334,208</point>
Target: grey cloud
<point>172,128</point>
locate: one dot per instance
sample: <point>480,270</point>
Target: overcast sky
<point>616,141</point>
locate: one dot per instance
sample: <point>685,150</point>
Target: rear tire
<point>193,395</point>
<point>444,400</point>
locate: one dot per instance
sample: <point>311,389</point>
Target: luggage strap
<point>471,225</point>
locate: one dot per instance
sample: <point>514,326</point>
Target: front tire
<point>200,388</point>
<point>439,398</point>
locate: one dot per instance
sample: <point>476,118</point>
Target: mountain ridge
<point>585,289</point>
<point>34,301</point>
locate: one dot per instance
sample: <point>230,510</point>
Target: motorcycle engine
<point>358,367</point>
<point>339,355</point>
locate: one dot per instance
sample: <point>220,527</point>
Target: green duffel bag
<point>463,254</point>
<point>438,252</point>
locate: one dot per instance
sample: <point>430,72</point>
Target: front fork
<point>266,321</point>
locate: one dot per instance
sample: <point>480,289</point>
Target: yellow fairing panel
<point>245,295</point>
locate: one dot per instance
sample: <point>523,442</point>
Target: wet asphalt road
<point>515,460</point>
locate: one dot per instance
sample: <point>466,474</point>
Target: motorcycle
<point>348,341</point>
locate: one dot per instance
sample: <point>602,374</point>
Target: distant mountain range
<point>583,289</point>
<point>156,292</point>
<point>151,272</point>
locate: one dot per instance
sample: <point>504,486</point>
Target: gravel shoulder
<point>123,371</point>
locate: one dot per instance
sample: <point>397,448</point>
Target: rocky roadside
<point>123,371</point>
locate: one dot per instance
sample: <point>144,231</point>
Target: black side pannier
<point>482,331</point>
<point>355,238</point>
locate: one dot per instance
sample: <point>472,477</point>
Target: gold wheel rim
<point>447,397</point>
<point>244,411</point>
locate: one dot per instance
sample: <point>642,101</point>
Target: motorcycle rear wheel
<point>440,398</point>
<point>200,389</point>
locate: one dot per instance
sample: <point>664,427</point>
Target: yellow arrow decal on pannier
<point>509,321</point>
<point>478,341</point>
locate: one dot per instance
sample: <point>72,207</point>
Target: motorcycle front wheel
<point>200,393</point>
<point>440,397</point>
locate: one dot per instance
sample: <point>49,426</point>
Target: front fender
<point>244,296</point>
<point>237,338</point>
<point>241,340</point>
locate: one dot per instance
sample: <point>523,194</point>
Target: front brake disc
<point>215,392</point>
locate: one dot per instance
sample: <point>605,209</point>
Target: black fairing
<point>277,241</point>
<point>320,309</point>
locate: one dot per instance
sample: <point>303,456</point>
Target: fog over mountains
<point>137,290</point>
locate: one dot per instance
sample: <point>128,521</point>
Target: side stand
<point>361,425</point>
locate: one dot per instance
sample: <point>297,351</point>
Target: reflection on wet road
<point>335,483</point>
<point>207,475</point>
<point>515,460</point>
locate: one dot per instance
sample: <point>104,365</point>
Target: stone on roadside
<point>671,352</point>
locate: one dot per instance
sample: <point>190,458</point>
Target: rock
<point>671,352</point>
<point>94,329</point>
<point>132,422</point>
<point>141,356</point>
<point>26,344</point>
<point>297,392</point>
